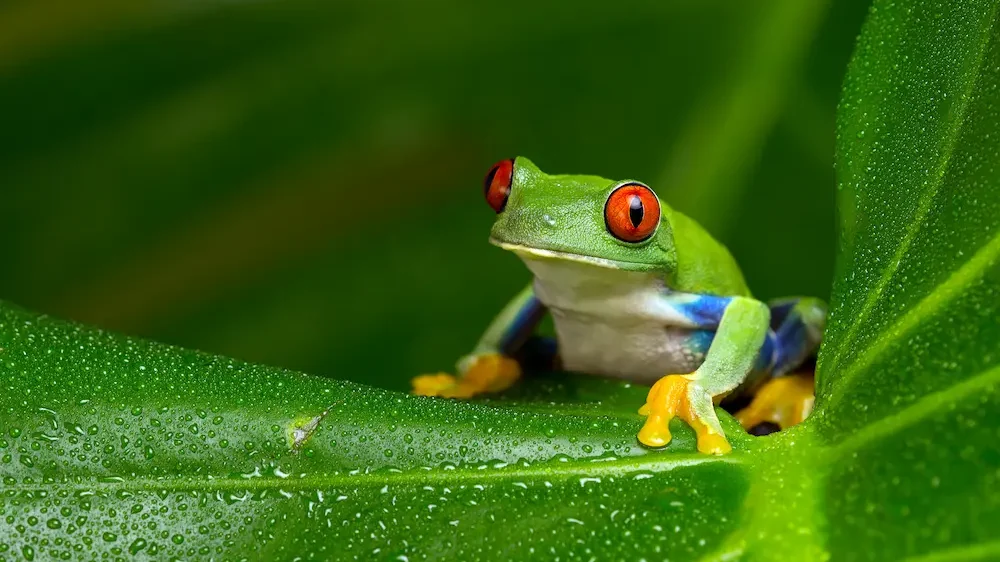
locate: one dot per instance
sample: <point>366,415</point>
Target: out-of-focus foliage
<point>298,182</point>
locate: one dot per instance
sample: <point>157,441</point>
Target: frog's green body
<point>637,291</point>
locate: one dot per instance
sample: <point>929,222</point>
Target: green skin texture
<point>681,253</point>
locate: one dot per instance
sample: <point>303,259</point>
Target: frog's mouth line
<point>556,255</point>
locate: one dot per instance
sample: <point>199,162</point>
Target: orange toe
<point>784,401</point>
<point>670,398</point>
<point>490,372</point>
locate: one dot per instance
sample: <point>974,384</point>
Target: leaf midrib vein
<point>980,551</point>
<point>926,406</point>
<point>931,303</point>
<point>412,477</point>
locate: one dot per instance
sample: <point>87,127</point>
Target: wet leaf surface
<point>111,443</point>
<point>908,376</point>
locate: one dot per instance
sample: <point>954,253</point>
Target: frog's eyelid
<point>617,185</point>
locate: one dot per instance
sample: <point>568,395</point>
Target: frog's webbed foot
<point>784,401</point>
<point>683,397</point>
<point>487,373</point>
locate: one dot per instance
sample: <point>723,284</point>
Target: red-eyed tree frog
<point>638,291</point>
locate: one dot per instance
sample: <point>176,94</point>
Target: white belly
<point>614,323</point>
<point>642,352</point>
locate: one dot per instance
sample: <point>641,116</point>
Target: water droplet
<point>136,546</point>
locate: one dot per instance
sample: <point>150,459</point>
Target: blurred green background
<point>298,183</point>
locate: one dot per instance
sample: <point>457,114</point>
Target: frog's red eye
<point>496,186</point>
<point>632,212</point>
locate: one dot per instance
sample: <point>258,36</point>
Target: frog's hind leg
<point>487,373</point>
<point>783,401</point>
<point>798,325</point>
<point>786,399</point>
<point>494,364</point>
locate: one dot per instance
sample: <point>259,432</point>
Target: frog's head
<point>588,219</point>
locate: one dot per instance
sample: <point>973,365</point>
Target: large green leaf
<point>907,394</point>
<point>112,446</point>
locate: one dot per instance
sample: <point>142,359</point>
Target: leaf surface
<point>908,376</point>
<point>114,444</point>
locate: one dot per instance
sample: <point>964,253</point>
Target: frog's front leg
<point>786,398</point>
<point>738,339</point>
<point>489,368</point>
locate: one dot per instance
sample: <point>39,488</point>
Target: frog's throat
<point>540,253</point>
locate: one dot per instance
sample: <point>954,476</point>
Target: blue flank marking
<point>698,341</point>
<point>791,339</point>
<point>522,326</point>
<point>780,310</point>
<point>766,358</point>
<point>705,310</point>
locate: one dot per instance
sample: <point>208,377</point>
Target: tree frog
<point>639,291</point>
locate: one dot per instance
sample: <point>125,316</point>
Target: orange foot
<point>490,372</point>
<point>784,401</point>
<point>681,396</point>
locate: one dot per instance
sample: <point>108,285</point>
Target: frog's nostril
<point>547,219</point>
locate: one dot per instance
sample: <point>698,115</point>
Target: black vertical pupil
<point>635,210</point>
<point>489,178</point>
